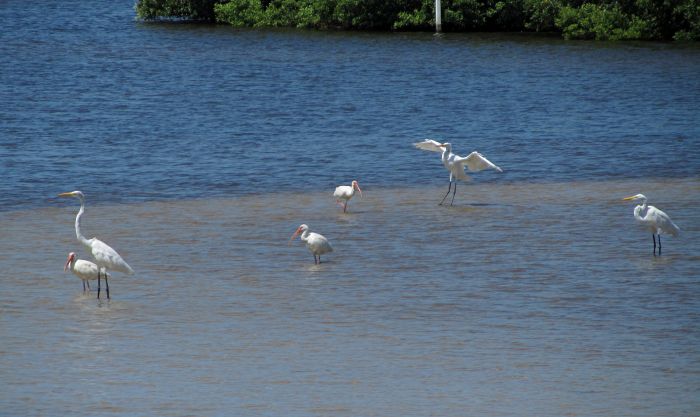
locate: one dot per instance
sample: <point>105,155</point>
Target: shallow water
<point>522,299</point>
<point>202,148</point>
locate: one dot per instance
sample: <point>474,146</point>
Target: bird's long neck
<point>71,265</point>
<point>638,210</point>
<point>305,235</point>
<point>446,153</point>
<point>79,235</point>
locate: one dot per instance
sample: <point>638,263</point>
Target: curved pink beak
<point>357,187</point>
<point>295,234</point>
<point>70,258</point>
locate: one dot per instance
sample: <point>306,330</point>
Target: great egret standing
<point>346,192</point>
<point>105,257</point>
<point>316,243</point>
<point>455,164</point>
<point>85,270</point>
<point>653,219</point>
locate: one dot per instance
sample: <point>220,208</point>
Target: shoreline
<point>475,185</point>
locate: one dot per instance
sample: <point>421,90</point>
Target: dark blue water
<point>91,99</point>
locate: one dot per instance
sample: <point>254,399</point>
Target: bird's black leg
<point>448,193</point>
<point>88,284</point>
<point>654,239</point>
<point>453,193</point>
<point>345,206</point>
<point>107,284</point>
<point>98,284</point>
<point>659,244</point>
<point>83,286</point>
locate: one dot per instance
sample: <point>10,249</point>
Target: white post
<point>438,17</point>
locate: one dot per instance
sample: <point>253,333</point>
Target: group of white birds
<point>106,258</point>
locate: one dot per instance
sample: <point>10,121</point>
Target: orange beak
<point>295,234</point>
<point>357,186</point>
<point>70,258</point>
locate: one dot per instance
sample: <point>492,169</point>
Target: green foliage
<point>176,9</point>
<point>574,19</point>
<point>418,19</point>
<point>464,15</point>
<point>599,22</point>
<point>541,14</point>
<point>239,13</point>
<point>690,12</point>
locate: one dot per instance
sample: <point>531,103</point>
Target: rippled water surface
<point>527,300</point>
<point>126,111</point>
<point>202,148</point>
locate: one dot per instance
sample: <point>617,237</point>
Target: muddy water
<point>522,299</point>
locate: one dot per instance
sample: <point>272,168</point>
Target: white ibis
<point>85,270</point>
<point>346,192</point>
<point>316,243</point>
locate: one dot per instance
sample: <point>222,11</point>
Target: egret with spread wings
<point>456,164</point>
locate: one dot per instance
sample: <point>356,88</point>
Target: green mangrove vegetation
<point>573,19</point>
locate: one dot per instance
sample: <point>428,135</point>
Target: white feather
<point>476,162</point>
<point>429,145</point>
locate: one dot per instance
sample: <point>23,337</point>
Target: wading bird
<point>455,163</point>
<point>316,243</point>
<point>85,270</point>
<point>653,220</point>
<point>105,257</point>
<point>346,192</point>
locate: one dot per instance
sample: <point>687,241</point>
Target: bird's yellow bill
<point>66,194</point>
<point>629,198</point>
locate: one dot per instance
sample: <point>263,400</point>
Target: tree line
<point>573,19</point>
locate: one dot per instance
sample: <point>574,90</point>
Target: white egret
<point>85,270</point>
<point>653,220</point>
<point>105,257</point>
<point>346,192</point>
<point>316,243</point>
<point>455,164</point>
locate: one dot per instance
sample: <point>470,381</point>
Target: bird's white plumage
<point>316,243</point>
<point>476,162</point>
<point>345,193</point>
<point>456,164</point>
<point>85,270</point>
<point>105,256</point>
<point>429,145</point>
<point>653,219</point>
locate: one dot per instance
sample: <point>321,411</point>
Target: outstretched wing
<point>429,145</point>
<point>477,162</point>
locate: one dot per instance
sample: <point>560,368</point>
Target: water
<point>202,148</point>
